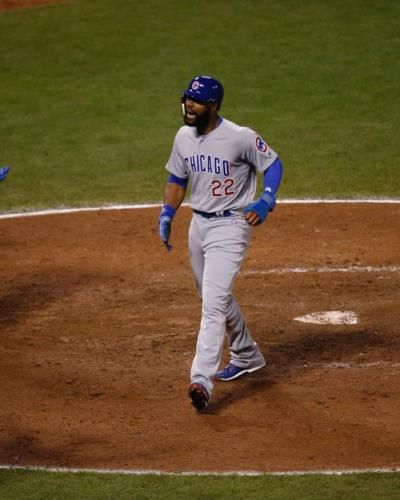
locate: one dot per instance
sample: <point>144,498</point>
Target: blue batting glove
<point>165,221</point>
<point>165,230</point>
<point>3,172</point>
<point>265,204</point>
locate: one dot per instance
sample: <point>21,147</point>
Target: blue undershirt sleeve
<point>178,180</point>
<point>273,176</point>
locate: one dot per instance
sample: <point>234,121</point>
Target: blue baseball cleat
<point>231,371</point>
<point>3,172</point>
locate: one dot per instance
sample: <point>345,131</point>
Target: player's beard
<point>201,121</point>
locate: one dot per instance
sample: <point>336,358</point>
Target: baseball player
<point>220,160</point>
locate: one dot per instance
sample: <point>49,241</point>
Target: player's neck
<point>212,125</point>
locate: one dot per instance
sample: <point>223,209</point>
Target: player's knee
<point>215,304</point>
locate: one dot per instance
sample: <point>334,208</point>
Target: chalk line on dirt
<point>323,269</point>
<point>338,365</point>
<point>138,472</point>
<point>68,210</point>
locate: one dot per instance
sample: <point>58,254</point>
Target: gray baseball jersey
<point>221,166</point>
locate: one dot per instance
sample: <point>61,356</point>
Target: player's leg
<point>200,388</point>
<point>244,351</point>
<point>224,244</point>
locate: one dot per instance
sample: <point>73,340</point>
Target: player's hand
<point>165,221</point>
<point>252,218</point>
<point>165,230</point>
<point>257,211</point>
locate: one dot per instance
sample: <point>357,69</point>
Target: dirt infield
<point>98,326</point>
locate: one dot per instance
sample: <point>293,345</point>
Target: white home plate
<point>330,318</point>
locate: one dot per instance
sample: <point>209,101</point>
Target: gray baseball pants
<point>217,247</point>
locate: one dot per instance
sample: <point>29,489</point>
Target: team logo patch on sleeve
<point>261,145</point>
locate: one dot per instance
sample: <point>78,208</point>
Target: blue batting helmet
<point>205,89</point>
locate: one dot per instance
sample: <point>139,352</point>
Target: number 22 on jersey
<point>223,188</point>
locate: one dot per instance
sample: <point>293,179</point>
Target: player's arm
<point>174,194</point>
<point>257,211</point>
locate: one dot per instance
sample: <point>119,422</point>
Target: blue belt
<point>211,215</point>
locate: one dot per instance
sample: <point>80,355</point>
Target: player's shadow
<point>248,387</point>
<point>285,361</point>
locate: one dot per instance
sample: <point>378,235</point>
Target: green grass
<point>42,485</point>
<point>89,94</point>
